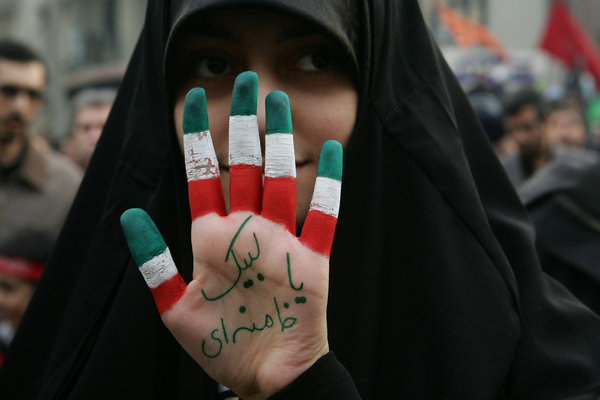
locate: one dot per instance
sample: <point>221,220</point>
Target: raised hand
<point>253,315</point>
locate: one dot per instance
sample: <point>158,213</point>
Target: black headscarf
<point>435,289</point>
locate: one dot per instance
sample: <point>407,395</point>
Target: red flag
<point>467,33</point>
<point>565,39</point>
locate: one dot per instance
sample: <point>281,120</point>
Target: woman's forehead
<point>239,24</point>
<point>335,17</point>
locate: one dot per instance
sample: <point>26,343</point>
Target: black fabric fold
<point>327,374</point>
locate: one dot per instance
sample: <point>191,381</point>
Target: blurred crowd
<point>38,181</point>
<point>548,142</point>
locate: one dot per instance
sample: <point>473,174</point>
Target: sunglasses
<point>12,91</point>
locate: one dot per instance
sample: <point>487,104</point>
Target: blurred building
<point>84,43</point>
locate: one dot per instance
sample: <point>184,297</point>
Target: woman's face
<point>288,54</point>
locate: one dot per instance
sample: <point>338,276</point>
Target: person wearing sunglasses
<point>37,185</point>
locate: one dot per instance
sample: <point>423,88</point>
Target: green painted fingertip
<point>278,116</point>
<point>245,92</point>
<point>195,116</point>
<point>144,240</point>
<point>330,163</point>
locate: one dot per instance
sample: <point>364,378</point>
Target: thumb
<point>153,258</point>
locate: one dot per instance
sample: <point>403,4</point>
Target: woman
<point>435,290</point>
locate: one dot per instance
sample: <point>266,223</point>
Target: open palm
<point>253,315</point>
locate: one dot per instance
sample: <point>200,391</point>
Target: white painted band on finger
<point>244,143</point>
<point>279,155</point>
<point>159,269</point>
<point>326,196</point>
<point>200,159</point>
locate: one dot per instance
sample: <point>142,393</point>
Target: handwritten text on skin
<point>221,335</point>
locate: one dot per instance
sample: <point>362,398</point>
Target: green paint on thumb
<point>144,240</point>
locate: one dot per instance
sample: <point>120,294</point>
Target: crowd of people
<point>550,152</point>
<point>37,182</point>
<point>462,266</point>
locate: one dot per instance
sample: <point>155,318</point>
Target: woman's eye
<point>211,67</point>
<point>314,62</point>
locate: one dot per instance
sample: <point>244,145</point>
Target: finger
<point>279,195</point>
<point>319,226</point>
<point>153,258</point>
<point>245,157</point>
<point>202,167</point>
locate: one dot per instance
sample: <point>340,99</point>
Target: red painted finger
<point>202,167</point>
<point>153,258</point>
<point>279,195</point>
<point>319,226</point>
<point>245,157</point>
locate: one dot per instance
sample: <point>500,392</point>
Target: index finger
<point>202,167</point>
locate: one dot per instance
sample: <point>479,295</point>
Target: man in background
<point>524,124</point>
<point>90,111</point>
<point>37,185</point>
<point>565,124</point>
